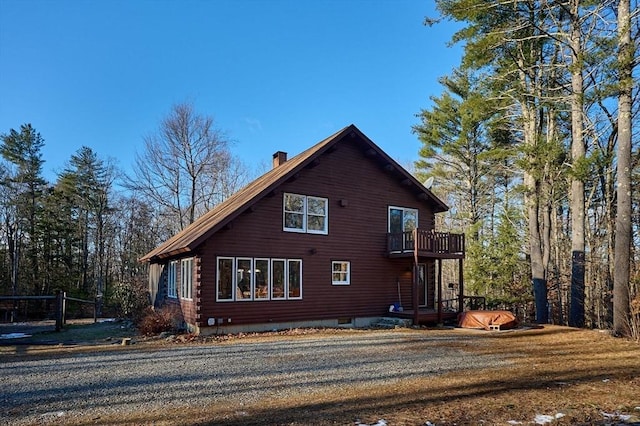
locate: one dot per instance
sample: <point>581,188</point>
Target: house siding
<point>359,191</point>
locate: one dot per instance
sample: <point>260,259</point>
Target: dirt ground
<point>559,376</point>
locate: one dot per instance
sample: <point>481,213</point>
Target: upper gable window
<point>302,213</point>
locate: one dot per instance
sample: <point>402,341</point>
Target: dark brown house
<point>333,236</point>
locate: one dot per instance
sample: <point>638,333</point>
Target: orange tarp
<point>483,319</point>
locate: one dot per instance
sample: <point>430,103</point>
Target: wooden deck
<point>451,308</point>
<point>427,316</point>
<point>426,244</point>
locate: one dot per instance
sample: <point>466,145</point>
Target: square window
<point>340,272</point>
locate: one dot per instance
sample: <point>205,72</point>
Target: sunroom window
<point>171,279</point>
<point>225,282</point>
<point>278,267</point>
<point>246,279</point>
<point>186,281</point>
<point>261,278</point>
<point>295,279</point>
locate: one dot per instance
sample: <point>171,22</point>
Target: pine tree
<point>22,150</point>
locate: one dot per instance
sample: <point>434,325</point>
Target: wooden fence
<point>61,299</point>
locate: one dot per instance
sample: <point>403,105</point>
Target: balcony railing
<point>426,242</point>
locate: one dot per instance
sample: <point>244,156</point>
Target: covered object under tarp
<point>485,319</point>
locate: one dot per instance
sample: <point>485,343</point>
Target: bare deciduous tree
<point>186,166</point>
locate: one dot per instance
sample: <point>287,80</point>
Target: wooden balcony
<point>444,245</point>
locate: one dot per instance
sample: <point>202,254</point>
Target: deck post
<point>461,286</point>
<point>439,291</point>
<point>64,307</point>
<point>414,286</point>
<point>414,295</point>
<point>59,314</point>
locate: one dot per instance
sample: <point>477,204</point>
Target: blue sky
<point>275,75</point>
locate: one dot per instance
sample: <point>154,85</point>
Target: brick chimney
<point>279,158</point>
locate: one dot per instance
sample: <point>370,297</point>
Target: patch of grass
<point>76,333</point>
<point>94,332</point>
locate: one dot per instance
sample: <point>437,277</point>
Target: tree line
<point>533,141</point>
<point>84,232</point>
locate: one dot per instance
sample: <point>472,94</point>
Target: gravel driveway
<point>132,380</point>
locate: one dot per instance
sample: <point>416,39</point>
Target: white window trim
<point>287,278</point>
<point>251,284</point>
<point>348,272</point>
<point>172,267</point>
<point>404,209</point>
<point>255,281</point>
<point>270,285</point>
<point>324,231</point>
<point>233,278</point>
<point>285,290</point>
<point>186,274</point>
<point>305,215</point>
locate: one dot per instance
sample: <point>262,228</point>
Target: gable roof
<point>195,234</point>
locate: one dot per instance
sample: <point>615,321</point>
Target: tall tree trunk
<point>532,185</point>
<point>610,273</point>
<point>576,313</point>
<point>621,309</point>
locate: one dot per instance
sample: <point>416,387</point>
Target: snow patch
<point>616,416</point>
<point>52,416</point>
<point>543,419</point>
<point>380,422</point>
<point>14,335</point>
